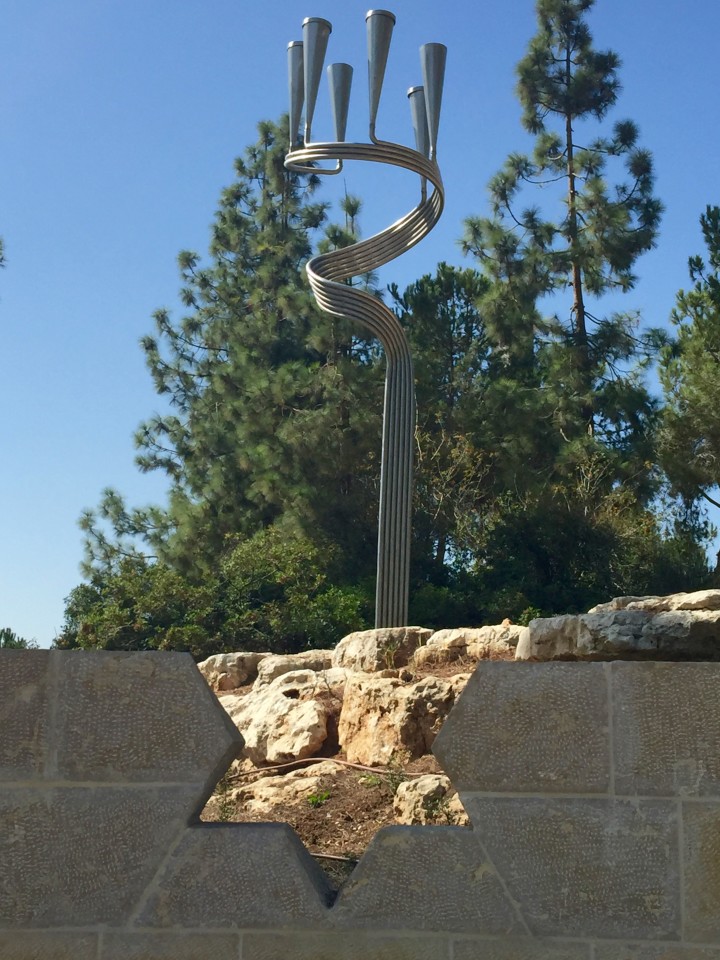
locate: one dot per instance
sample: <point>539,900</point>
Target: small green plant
<point>318,799</point>
<point>225,801</point>
<point>388,652</point>
<point>438,810</point>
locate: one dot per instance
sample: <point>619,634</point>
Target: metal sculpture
<point>328,271</point>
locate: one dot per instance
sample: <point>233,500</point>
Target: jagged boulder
<point>276,723</point>
<point>275,665</point>
<point>227,671</point>
<point>370,650</point>
<point>428,799</point>
<point>678,627</point>
<point>496,642</point>
<point>382,716</point>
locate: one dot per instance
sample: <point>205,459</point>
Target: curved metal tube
<point>326,273</point>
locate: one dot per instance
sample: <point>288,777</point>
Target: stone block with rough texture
<point>48,945</point>
<point>644,951</point>
<point>520,949</point>
<point>389,887</point>
<point>23,714</point>
<point>171,946</point>
<point>235,875</point>
<point>585,867</point>
<point>666,729</point>
<point>701,864</point>
<point>78,856</point>
<point>332,946</point>
<point>153,719</point>
<point>529,728</point>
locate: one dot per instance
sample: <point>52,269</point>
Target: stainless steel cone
<point>340,80</point>
<point>316,32</point>
<point>296,87</point>
<point>418,112</point>
<point>432,59</point>
<point>380,25</point>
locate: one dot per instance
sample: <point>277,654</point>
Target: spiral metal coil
<point>326,273</point>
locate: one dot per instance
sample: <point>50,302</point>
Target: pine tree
<point>581,365</point>
<point>690,374</point>
<point>274,408</point>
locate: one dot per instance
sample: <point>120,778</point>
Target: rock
<point>383,716</point>
<point>698,600</point>
<point>371,650</point>
<point>476,643</point>
<point>276,726</point>
<point>549,638</point>
<point>226,671</point>
<point>276,664</point>
<point>630,633</point>
<point>428,799</point>
<point>307,684</point>
<point>262,796</point>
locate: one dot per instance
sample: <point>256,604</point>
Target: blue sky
<point>121,120</point>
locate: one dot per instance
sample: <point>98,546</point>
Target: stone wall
<point>594,790</point>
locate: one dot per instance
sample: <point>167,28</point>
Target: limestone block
<point>238,875</point>
<point>341,946</point>
<point>519,949</point>
<point>527,728</point>
<point>666,729</point>
<point>382,716</point>
<point>654,951</point>
<point>23,713</point>
<point>371,650</point>
<point>55,945</point>
<point>78,856</point>
<point>697,600</point>
<point>684,634</point>
<point>277,664</point>
<point>139,717</point>
<point>425,878</point>
<point>634,632</point>
<point>549,638</point>
<point>701,866</point>
<point>171,946</point>
<point>227,671</point>
<point>585,867</point>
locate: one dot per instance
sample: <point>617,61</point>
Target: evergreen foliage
<point>690,374</point>
<point>274,408</point>
<point>9,640</point>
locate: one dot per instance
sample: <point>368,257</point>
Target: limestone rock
<point>428,799</point>
<point>633,632</point>
<point>277,727</point>
<point>276,664</point>
<point>371,650</point>
<point>382,716</point>
<point>226,671</point>
<point>306,684</point>
<point>262,796</point>
<point>476,643</point>
<point>697,600</point>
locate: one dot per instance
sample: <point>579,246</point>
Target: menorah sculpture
<point>328,271</point>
